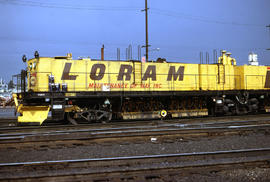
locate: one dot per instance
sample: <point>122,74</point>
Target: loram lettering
<point>98,71</point>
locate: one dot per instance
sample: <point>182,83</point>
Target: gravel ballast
<point>151,147</point>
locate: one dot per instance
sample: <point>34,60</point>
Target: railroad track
<point>190,121</point>
<point>87,135</point>
<point>11,122</point>
<point>8,122</point>
<point>134,167</point>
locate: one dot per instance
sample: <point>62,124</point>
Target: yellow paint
<point>72,108</point>
<point>70,94</point>
<point>34,114</point>
<point>251,77</point>
<point>223,76</point>
<point>163,113</point>
<point>15,99</point>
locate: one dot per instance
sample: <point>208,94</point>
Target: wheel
<point>89,116</point>
<point>70,118</point>
<point>104,116</point>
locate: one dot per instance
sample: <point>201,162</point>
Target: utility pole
<point>146,31</point>
<point>268,26</point>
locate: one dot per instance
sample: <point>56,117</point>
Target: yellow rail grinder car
<point>87,90</point>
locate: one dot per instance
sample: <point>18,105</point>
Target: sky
<point>178,29</point>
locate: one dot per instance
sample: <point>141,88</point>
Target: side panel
<point>254,77</point>
<point>87,75</point>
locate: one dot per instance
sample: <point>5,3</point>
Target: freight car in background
<point>87,90</point>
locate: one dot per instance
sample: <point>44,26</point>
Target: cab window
<point>30,66</point>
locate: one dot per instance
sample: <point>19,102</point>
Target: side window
<point>30,67</point>
<point>34,65</point>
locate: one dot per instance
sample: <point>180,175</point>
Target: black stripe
<point>267,80</point>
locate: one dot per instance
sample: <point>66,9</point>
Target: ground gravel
<point>217,143</point>
<point>235,175</point>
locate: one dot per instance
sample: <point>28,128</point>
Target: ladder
<point>221,73</point>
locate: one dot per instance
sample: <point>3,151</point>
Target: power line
<point>72,7</point>
<point>103,8</point>
<point>199,18</point>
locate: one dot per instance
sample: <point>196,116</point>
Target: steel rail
<point>137,122</point>
<point>140,157</point>
<point>61,168</point>
<point>158,125</point>
<point>131,132</point>
<point>136,129</point>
